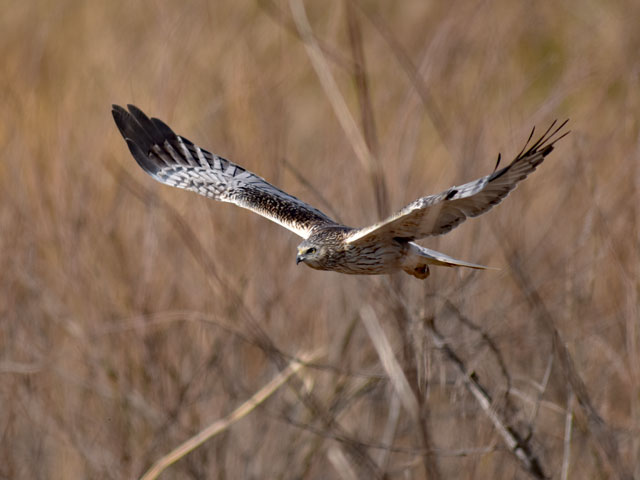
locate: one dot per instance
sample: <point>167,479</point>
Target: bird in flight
<point>385,247</point>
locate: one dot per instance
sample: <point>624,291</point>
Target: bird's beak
<point>299,258</point>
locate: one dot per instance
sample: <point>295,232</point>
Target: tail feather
<point>418,263</point>
<point>438,258</point>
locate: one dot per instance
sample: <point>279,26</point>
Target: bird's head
<point>311,254</point>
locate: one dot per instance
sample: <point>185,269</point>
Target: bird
<point>382,248</point>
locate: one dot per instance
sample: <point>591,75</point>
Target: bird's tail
<point>419,258</point>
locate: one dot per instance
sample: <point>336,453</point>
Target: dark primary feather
<point>175,161</point>
<point>438,214</point>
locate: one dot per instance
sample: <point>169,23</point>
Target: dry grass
<point>133,315</point>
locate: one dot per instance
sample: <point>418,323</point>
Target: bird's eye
<point>310,251</point>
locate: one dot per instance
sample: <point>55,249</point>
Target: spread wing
<point>174,160</point>
<point>438,214</point>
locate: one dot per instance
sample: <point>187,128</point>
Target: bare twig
<point>460,452</point>
<point>280,16</point>
<point>366,110</point>
<point>341,464</point>
<point>541,389</point>
<point>487,339</point>
<point>389,361</point>
<point>536,403</point>
<point>220,425</point>
<point>389,431</point>
<point>412,352</point>
<point>410,69</point>
<point>564,475</point>
<point>307,183</point>
<point>331,89</point>
<point>21,368</point>
<point>518,446</point>
<point>600,432</point>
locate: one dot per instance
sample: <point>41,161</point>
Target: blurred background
<point>133,315</point>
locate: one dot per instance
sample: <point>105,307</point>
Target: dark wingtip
<point>163,128</point>
<point>120,117</point>
<point>544,146</point>
<point>140,133</point>
<point>137,113</point>
<point>142,158</point>
<point>547,140</point>
<point>557,130</point>
<point>498,161</point>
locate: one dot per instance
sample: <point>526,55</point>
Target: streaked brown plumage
<point>385,247</point>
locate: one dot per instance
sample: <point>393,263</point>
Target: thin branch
<point>403,58</point>
<point>366,110</point>
<point>307,183</point>
<point>21,368</point>
<point>280,16</point>
<point>602,435</point>
<point>537,403</point>
<point>542,388</point>
<point>487,339</point>
<point>413,350</point>
<point>517,446</point>
<point>389,432</point>
<point>567,438</point>
<point>435,452</point>
<point>389,362</point>
<point>330,87</point>
<point>199,252</point>
<point>224,423</point>
<point>341,464</point>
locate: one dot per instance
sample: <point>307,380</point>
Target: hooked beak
<point>299,258</point>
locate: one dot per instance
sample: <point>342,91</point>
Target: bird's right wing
<point>175,161</point>
<point>440,213</point>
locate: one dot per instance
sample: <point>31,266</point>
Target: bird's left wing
<point>438,214</point>
<point>175,161</point>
